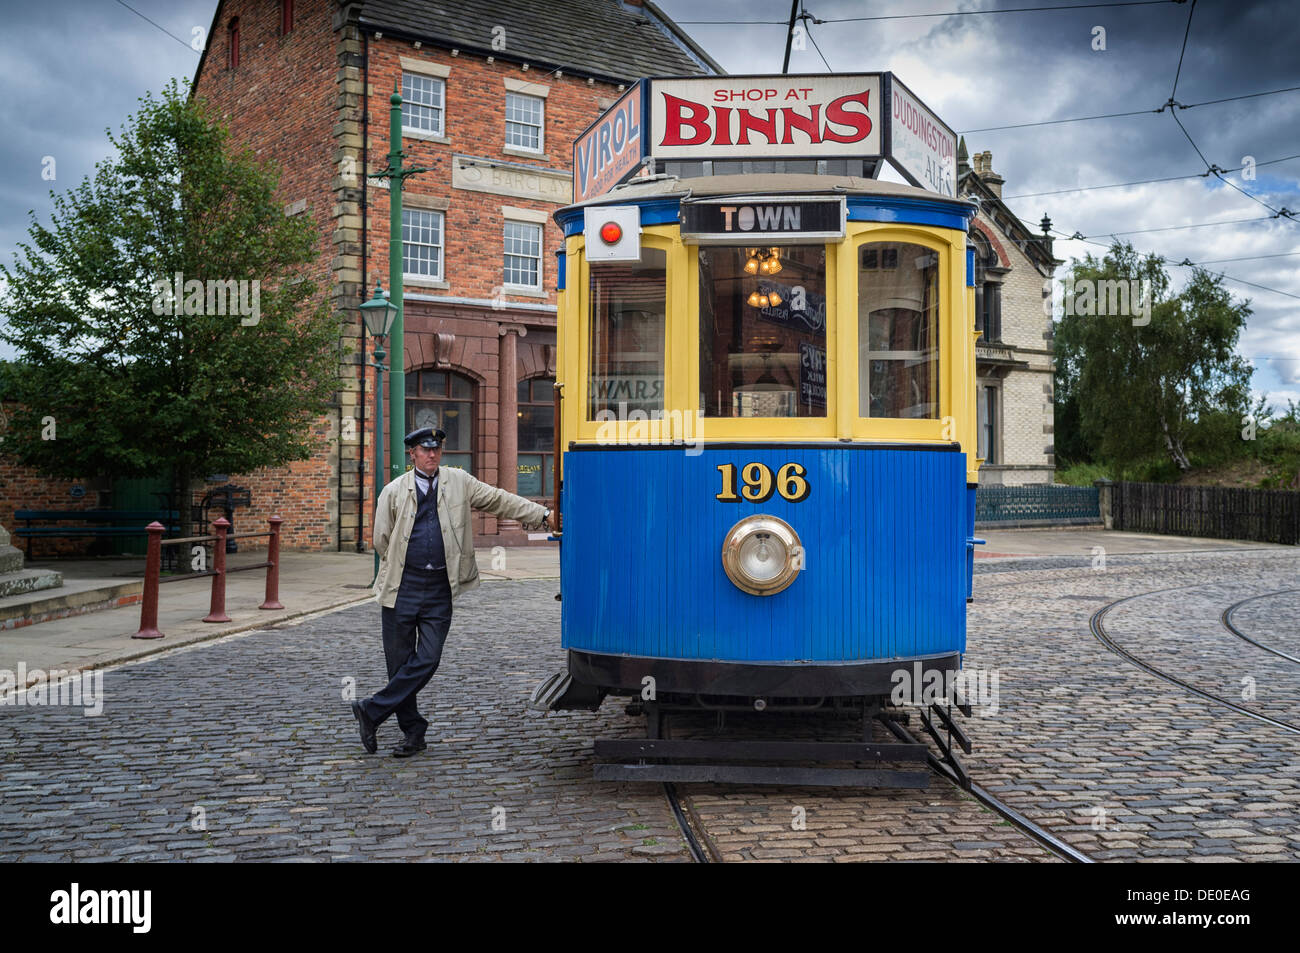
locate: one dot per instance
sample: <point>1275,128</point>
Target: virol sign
<point>772,117</point>
<point>610,149</point>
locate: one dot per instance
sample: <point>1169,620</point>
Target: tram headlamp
<point>760,555</point>
<point>610,233</point>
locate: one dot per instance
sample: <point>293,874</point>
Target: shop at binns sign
<point>765,116</point>
<point>871,116</point>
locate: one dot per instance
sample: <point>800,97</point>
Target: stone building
<point>1013,357</point>
<point>494,94</point>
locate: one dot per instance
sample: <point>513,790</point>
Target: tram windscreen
<point>898,330</point>
<point>628,305</point>
<point>763,331</point>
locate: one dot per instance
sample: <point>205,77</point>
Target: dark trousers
<point>415,629</point>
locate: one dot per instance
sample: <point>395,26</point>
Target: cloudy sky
<point>63,86</point>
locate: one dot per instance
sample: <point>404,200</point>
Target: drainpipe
<point>365,281</point>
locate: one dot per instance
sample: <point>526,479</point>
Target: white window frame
<point>540,125</point>
<point>417,278</point>
<point>538,288</point>
<point>439,83</point>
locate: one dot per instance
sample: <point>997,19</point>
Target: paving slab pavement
<point>309,583</point>
<point>1080,541</point>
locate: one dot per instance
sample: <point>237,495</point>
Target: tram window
<point>628,305</point>
<point>898,331</point>
<point>763,331</point>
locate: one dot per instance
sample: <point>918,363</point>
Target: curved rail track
<point>1226,619</point>
<point>1097,624</point>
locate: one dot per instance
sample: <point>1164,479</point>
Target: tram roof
<point>777,183</point>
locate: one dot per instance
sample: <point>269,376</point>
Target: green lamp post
<point>379,313</point>
<point>396,174</point>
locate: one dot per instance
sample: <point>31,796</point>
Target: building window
<point>444,400</point>
<point>524,256</point>
<point>898,331</point>
<point>524,121</point>
<point>537,438</point>
<point>763,331</point>
<point>988,312</point>
<point>987,438</point>
<point>232,42</point>
<point>629,301</point>
<point>286,16</point>
<point>422,103</point>
<point>422,244</point>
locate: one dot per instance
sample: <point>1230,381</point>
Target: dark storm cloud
<point>69,69</point>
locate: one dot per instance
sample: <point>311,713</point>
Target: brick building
<point>1013,357</point>
<point>494,94</point>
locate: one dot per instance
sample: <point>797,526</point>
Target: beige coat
<point>458,493</point>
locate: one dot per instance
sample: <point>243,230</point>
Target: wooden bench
<point>138,518</point>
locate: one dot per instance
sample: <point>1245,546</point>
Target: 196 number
<point>758,483</point>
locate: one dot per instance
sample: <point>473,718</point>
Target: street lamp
<point>378,313</point>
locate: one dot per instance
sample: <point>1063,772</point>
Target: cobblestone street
<point>1120,763</point>
<point>244,749</point>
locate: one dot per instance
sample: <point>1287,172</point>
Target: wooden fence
<point>1267,516</point>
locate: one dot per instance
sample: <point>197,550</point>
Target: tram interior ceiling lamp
<point>760,553</point>
<point>763,261</point>
<point>613,233</point>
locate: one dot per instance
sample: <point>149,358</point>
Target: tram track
<point>1226,619</point>
<point>704,851</point>
<point>1036,832</point>
<point>700,846</point>
<point>1097,625</point>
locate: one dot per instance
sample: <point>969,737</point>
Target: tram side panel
<point>885,569</point>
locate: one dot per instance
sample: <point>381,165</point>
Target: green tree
<point>1128,387</point>
<point>113,376</point>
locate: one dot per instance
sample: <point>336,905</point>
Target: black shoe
<point>411,744</point>
<point>367,728</point>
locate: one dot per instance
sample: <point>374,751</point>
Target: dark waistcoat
<point>425,547</point>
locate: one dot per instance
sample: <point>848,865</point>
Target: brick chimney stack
<point>983,164</point>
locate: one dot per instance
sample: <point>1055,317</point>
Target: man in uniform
<point>426,558</point>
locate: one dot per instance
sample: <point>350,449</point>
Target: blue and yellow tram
<point>768,424</point>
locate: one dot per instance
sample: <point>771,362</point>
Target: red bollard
<point>273,570</point>
<point>217,607</point>
<point>149,601</point>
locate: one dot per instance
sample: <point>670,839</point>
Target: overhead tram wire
<point>158,26</point>
<point>1211,168</point>
<point>1136,112</point>
<point>1118,185</point>
<point>950,13</point>
<point>1185,263</point>
<point>1183,52</point>
<point>818,48</point>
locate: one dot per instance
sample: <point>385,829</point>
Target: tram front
<point>767,374</point>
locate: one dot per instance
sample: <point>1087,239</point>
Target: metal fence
<point>1040,504</point>
<point>1266,516</point>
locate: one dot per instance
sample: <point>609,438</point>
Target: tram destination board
<point>768,218</point>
